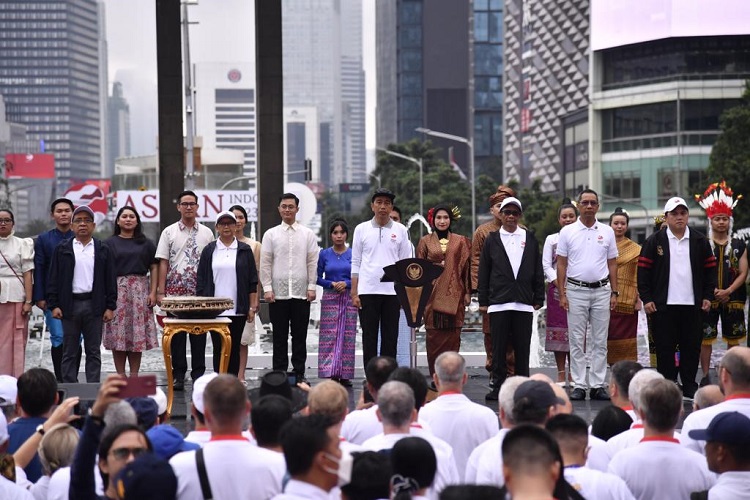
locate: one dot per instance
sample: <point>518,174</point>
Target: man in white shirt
<point>376,244</point>
<point>676,281</point>
<point>288,273</point>
<point>511,288</point>
<point>658,467</point>
<point>587,281</point>
<point>361,425</point>
<point>619,382</point>
<point>82,292</point>
<point>314,458</point>
<point>179,252</point>
<point>200,434</point>
<point>235,468</point>
<point>734,379</point>
<point>571,434</point>
<point>727,440</point>
<point>452,416</point>
<point>397,411</point>
<point>707,396</point>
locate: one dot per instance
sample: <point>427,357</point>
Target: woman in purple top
<point>338,316</point>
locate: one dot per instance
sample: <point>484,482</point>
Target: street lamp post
<point>470,144</point>
<point>418,161</point>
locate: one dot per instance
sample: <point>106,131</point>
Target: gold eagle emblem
<point>414,271</point>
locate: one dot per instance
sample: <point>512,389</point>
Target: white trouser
<point>588,305</point>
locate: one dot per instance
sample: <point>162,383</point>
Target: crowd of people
<point>294,441</point>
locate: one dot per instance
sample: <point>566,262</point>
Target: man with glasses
<point>378,243</point>
<point>82,292</point>
<point>510,282</point>
<point>179,252</point>
<point>587,281</point>
<point>288,273</point>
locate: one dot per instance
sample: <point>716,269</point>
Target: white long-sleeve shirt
<point>289,261</point>
<point>373,248</point>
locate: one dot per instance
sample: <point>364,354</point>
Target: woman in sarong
<point>444,314</point>
<point>622,341</point>
<point>338,316</point>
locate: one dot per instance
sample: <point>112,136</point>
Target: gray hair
<point>396,403</point>
<point>505,396</point>
<point>450,367</point>
<point>118,414</point>
<point>708,395</point>
<point>640,381</point>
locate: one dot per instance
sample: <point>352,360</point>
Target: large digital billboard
<point>622,22</point>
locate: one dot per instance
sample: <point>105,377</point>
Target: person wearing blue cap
<point>727,440</point>
<point>148,477</point>
<point>168,441</point>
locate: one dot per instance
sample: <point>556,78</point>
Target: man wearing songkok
<point>731,258</point>
<point>734,380</point>
<point>727,440</point>
<point>658,467</point>
<point>452,416</point>
<point>676,281</point>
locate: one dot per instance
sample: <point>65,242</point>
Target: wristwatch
<point>40,429</point>
<point>615,293</point>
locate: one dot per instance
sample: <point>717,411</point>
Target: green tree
<point>730,155</point>
<point>539,210</point>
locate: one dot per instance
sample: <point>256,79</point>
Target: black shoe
<point>179,385</point>
<point>577,394</point>
<point>301,379</point>
<point>599,394</point>
<point>706,380</point>
<point>492,395</point>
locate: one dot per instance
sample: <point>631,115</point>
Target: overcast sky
<point>225,32</point>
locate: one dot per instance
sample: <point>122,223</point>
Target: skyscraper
<point>49,76</point>
<point>118,129</point>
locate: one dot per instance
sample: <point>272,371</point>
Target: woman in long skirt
<point>338,316</point>
<point>133,329</point>
<point>622,340</point>
<point>16,267</point>
<point>556,339</point>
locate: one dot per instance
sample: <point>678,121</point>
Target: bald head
<point>328,398</point>
<point>450,371</point>
<point>541,377</point>
<point>505,398</point>
<point>707,396</point>
<point>734,370</point>
<point>565,409</point>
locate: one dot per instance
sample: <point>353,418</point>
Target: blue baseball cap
<point>148,477</point>
<point>168,442</point>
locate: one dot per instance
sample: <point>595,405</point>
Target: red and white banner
<point>210,203</point>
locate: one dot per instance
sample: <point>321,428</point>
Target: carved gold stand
<point>193,327</point>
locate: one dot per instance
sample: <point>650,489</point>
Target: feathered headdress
<point>717,199</point>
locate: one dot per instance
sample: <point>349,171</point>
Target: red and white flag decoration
<point>454,165</point>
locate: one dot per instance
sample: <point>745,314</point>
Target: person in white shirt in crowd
<point>362,424</point>
<point>707,396</point>
<point>330,399</point>
<point>200,434</point>
<point>396,410</point>
<point>609,422</point>
<point>371,478</point>
<point>288,274</point>
<point>727,440</point>
<point>534,403</point>
<point>452,416</point>
<point>376,244</point>
<point>600,456</point>
<point>314,459</point>
<point>587,283</point>
<point>621,373</point>
<point>734,379</point>
<point>532,466</point>
<point>414,465</point>
<point>493,444</point>
<point>234,467</point>
<point>56,451</point>
<point>658,467</point>
<point>571,434</point>
<point>8,489</point>
<point>269,415</point>
<point>179,251</point>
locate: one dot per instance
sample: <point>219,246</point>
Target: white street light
<point>470,144</point>
<point>418,161</point>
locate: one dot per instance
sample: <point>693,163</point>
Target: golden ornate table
<point>193,327</point>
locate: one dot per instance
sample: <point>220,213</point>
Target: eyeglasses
<point>511,213</point>
<point>226,224</point>
<point>124,453</point>
<point>6,221</point>
<point>82,221</point>
<point>188,204</point>
<point>588,203</point>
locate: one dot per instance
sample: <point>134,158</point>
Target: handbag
<point>11,268</point>
<point>248,333</point>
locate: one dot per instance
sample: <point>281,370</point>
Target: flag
<point>454,165</point>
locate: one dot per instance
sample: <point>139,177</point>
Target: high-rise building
<point>118,129</point>
<point>50,78</point>
<point>225,110</point>
<point>322,52</point>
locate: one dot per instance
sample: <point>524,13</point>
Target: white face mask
<point>344,470</point>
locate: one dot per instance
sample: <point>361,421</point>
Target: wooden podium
<point>172,326</point>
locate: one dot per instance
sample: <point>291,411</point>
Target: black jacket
<point>60,280</point>
<point>653,268</point>
<point>247,275</point>
<point>497,285</point>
